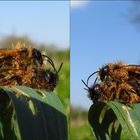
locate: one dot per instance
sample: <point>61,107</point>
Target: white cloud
<point>78,3</point>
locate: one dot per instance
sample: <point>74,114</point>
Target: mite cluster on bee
<point>23,65</point>
<point>116,82</point>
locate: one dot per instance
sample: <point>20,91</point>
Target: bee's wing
<point>134,81</point>
<point>134,75</point>
<point>133,71</point>
<point>134,65</point>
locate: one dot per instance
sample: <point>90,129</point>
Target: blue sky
<point>44,22</point>
<point>101,33</point>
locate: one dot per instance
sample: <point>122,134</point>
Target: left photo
<point>34,70</point>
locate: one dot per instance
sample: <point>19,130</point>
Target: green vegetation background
<point>79,126</point>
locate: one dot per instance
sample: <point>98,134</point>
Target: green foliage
<point>79,127</point>
<point>81,132</point>
<point>63,88</point>
<point>113,120</point>
<point>31,114</point>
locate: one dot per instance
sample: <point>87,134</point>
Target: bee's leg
<point>130,105</point>
<point>133,98</point>
<point>33,81</point>
<point>129,91</point>
<point>129,102</point>
<point>124,92</point>
<point>113,93</point>
<point>8,81</point>
<point>118,93</point>
<point>17,78</point>
<point>138,87</point>
<point>6,61</point>
<point>103,95</point>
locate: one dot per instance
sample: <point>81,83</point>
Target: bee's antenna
<point>51,62</point>
<point>60,67</point>
<point>85,84</point>
<point>91,76</point>
<point>95,81</point>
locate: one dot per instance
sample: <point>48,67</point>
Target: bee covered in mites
<point>116,81</point>
<point>119,72</point>
<point>114,72</point>
<point>24,66</point>
<point>22,55</point>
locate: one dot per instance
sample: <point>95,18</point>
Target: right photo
<point>105,70</point>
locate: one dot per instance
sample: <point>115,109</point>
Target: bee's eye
<point>106,69</point>
<point>47,77</point>
<point>23,52</point>
<point>96,88</point>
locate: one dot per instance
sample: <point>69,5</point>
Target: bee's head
<point>36,54</point>
<point>23,52</point>
<point>51,77</point>
<point>103,72</point>
<point>94,92</point>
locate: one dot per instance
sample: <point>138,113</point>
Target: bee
<point>123,93</point>
<point>21,55</point>
<point>120,73</point>
<point>100,91</point>
<point>116,72</point>
<point>45,79</point>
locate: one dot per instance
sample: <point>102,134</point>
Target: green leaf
<point>1,131</point>
<point>33,115</point>
<point>113,120</point>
